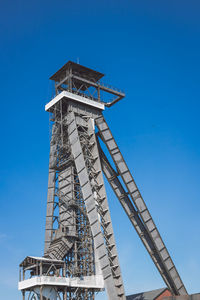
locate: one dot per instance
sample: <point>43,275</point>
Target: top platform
<point>70,96</point>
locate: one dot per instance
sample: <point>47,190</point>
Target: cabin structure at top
<point>77,79</point>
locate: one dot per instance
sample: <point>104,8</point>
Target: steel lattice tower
<point>80,256</point>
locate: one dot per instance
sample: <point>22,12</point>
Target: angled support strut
<point>140,217</point>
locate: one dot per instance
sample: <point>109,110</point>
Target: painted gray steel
<point>79,231</point>
<point>91,208</point>
<point>169,271</point>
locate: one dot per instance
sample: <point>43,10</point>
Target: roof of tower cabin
<point>151,295</point>
<point>30,260</point>
<point>77,69</point>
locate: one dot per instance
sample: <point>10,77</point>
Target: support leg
<point>91,207</point>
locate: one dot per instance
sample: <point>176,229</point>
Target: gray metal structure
<point>79,230</point>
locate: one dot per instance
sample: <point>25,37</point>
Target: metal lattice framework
<point>79,230</point>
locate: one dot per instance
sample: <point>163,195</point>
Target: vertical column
<point>40,268</point>
<point>66,187</point>
<point>98,91</point>
<point>51,189</point>
<point>41,294</point>
<point>20,275</point>
<point>70,80</point>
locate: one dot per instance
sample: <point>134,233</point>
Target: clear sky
<point>150,49</point>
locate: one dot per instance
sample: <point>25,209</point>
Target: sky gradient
<point>150,49</point>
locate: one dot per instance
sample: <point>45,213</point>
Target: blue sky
<point>150,49</point>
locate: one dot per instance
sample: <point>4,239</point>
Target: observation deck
<point>40,272</point>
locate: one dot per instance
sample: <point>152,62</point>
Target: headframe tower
<point>80,255</point>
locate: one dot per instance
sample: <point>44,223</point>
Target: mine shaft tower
<point>80,256</point>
